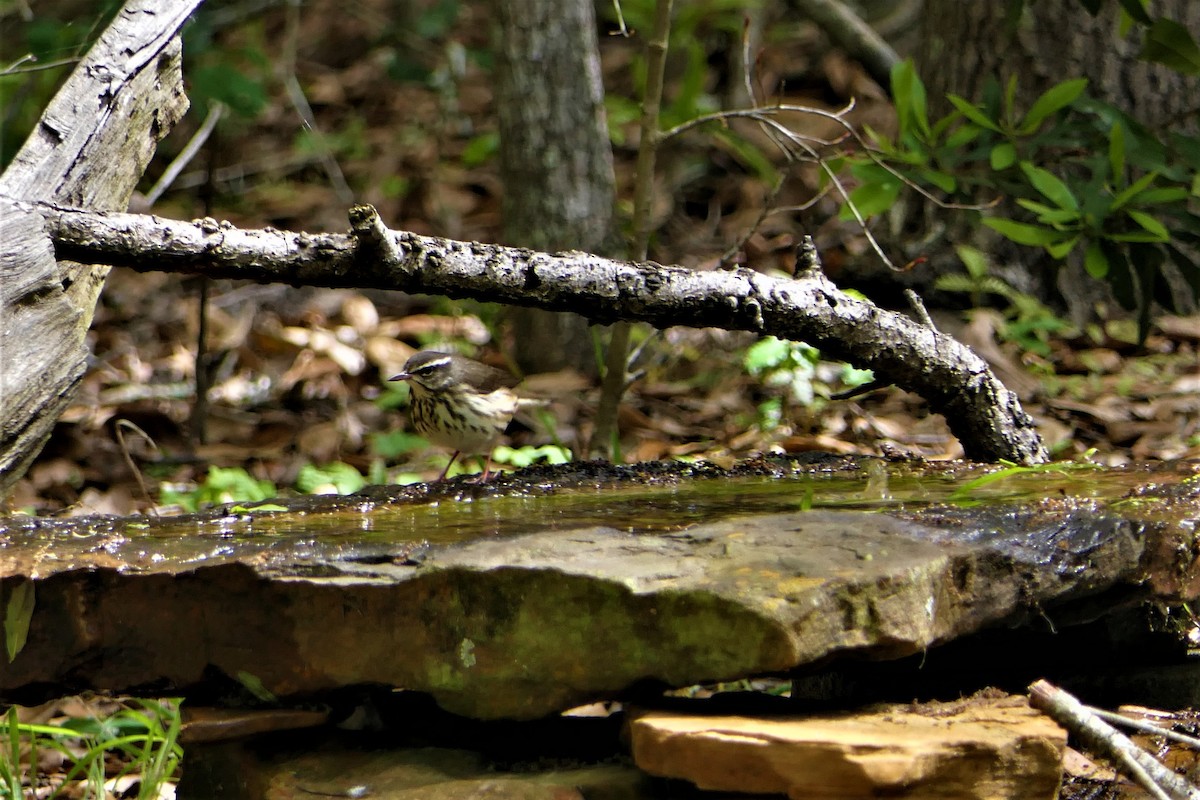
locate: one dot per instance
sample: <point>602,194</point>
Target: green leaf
<point>767,353</point>
<point>1023,232</point>
<point>1150,224</point>
<point>1048,215</point>
<point>1003,156</point>
<point>973,259</point>
<point>263,508</point>
<point>525,456</point>
<point>244,95</point>
<point>1059,250</point>
<point>942,180</point>
<point>18,613</point>
<point>1133,236</point>
<point>481,149</point>
<point>963,136</point>
<point>1167,42</point>
<point>871,199</point>
<point>973,113</point>
<point>254,685</point>
<point>1116,151</point>
<point>335,478</point>
<point>1050,186</point>
<point>1127,194</point>
<point>908,93</point>
<point>750,155</point>
<point>1052,100</point>
<point>1094,261</point>
<point>1165,194</point>
<point>1010,99</point>
<point>1136,9</point>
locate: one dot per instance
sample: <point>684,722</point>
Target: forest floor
<point>298,376</point>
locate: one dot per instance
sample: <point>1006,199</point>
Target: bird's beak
<point>403,376</point>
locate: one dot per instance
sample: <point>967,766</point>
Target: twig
<point>1151,775</point>
<point>918,306</point>
<point>616,360</point>
<point>118,428</point>
<point>1145,727</point>
<point>303,109</point>
<point>852,34</point>
<point>186,155</point>
<point>727,258</point>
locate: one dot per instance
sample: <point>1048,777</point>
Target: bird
<point>459,403</point>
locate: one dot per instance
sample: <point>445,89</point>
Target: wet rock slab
<point>528,596</point>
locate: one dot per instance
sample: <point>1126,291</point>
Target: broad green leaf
<point>881,141</point>
<point>1023,232</point>
<point>908,93</point>
<point>942,125</point>
<point>1129,192</point>
<point>767,353</point>
<point>1059,250</point>
<point>336,478</point>
<point>871,199</point>
<point>1150,224</point>
<point>1167,42</point>
<point>1136,9</point>
<point>481,149</point>
<point>944,181</point>
<point>751,156</point>
<point>1052,100</point>
<point>1094,261</point>
<point>973,113</point>
<point>973,259</point>
<point>254,685</point>
<point>18,612</point>
<point>1003,156</point>
<point>1048,215</point>
<point>1134,236</point>
<point>1196,185</point>
<point>1165,194</point>
<point>1116,151</point>
<point>963,136</point>
<point>1050,186</point>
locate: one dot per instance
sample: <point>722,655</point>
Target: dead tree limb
<point>985,416</point>
<point>89,149</point>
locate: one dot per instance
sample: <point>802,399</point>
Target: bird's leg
<point>487,470</point>
<point>449,464</point>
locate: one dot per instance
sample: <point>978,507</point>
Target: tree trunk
<point>963,45</point>
<point>555,158</point>
<point>88,150</point>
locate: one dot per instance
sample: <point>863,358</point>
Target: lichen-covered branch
<point>986,417</point>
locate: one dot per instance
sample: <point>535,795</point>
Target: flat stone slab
<point>982,748</point>
<point>544,611</point>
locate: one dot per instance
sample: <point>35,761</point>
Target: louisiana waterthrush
<point>459,403</point>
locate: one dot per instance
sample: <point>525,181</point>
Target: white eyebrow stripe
<point>437,362</point>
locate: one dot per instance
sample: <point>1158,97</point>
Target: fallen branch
<point>1102,738</point>
<point>985,416</point>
